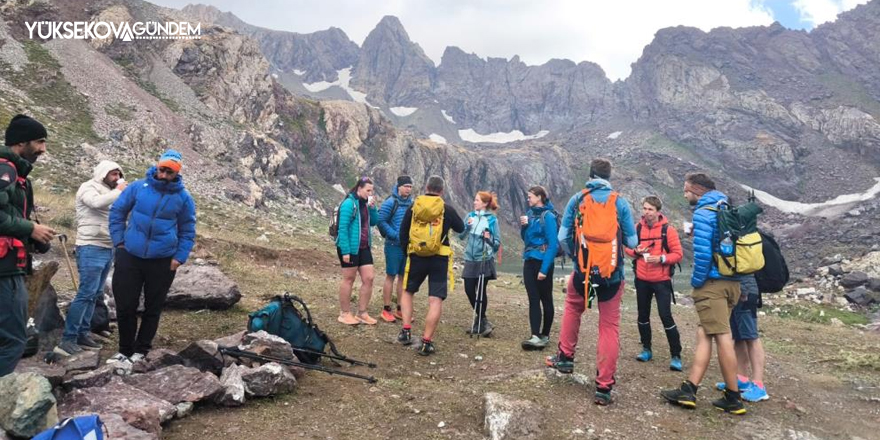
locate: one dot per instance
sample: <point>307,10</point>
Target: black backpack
<point>333,230</point>
<point>774,275</point>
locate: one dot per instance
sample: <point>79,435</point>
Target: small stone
<point>478,358</point>
<point>441,425</point>
<point>184,409</point>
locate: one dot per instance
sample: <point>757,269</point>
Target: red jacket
<point>651,237</point>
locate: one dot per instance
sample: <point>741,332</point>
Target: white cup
<point>688,228</point>
<point>645,256</point>
<point>523,220</point>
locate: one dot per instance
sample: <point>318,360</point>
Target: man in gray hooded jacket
<point>94,253</point>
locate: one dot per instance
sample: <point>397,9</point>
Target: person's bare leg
<point>756,357</point>
<point>727,360</point>
<point>406,308</point>
<point>387,290</point>
<point>348,276</point>
<point>399,288</point>
<point>702,354</point>
<point>742,358</point>
<point>366,291</point>
<point>435,308</point>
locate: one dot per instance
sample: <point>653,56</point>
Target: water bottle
<point>727,245</point>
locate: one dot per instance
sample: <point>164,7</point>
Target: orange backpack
<point>597,236</point>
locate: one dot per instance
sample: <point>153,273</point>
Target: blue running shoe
<point>645,356</point>
<point>721,386</point>
<point>755,394</point>
<point>675,364</point>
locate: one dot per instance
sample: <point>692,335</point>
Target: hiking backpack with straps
<point>774,275</point>
<point>426,230</point>
<point>664,243</point>
<point>282,318</point>
<point>597,236</point>
<point>739,227</point>
<point>333,230</point>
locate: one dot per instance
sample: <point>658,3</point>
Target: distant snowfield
<point>830,208</point>
<point>343,83</point>
<point>448,118</point>
<point>615,135</point>
<point>403,111</point>
<point>470,135</point>
<point>437,138</point>
<point>299,72</point>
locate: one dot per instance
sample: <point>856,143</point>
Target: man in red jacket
<point>658,251</point>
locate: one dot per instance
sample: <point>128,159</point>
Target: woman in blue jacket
<point>538,231</point>
<point>483,241</point>
<point>357,214</point>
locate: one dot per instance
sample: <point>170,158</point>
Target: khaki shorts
<point>714,303</point>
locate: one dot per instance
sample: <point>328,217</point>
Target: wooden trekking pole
<point>63,239</point>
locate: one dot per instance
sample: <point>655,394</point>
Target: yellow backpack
<point>426,231</point>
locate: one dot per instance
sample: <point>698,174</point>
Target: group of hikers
<point>597,231</point>
<point>144,230</point>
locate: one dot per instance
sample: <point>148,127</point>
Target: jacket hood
<point>597,183</point>
<point>103,168</point>
<point>174,186</point>
<point>711,198</point>
<point>22,167</point>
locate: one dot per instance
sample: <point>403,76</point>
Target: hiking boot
<point>405,336</point>
<point>675,363</point>
<point>545,341</point>
<point>348,319</point>
<point>87,343</point>
<point>387,316</point>
<point>731,403</point>
<point>560,363</point>
<point>755,393</point>
<point>67,348</point>
<point>486,329</point>
<point>602,397</point>
<point>686,395</point>
<point>743,386</point>
<point>365,318</point>
<point>532,344</point>
<point>426,349</point>
<point>137,357</point>
<point>118,357</point>
<point>645,355</point>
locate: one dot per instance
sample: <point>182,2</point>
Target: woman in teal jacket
<point>357,214</point>
<point>483,241</point>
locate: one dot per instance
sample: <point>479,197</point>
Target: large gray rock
<point>202,287</point>
<point>95,378</point>
<point>87,360</point>
<point>233,386</point>
<point>156,359</point>
<point>138,408</point>
<point>177,384</point>
<point>509,418</point>
<point>268,380</point>
<point>835,270</point>
<point>874,284</point>
<point>233,340</point>
<point>118,428</point>
<point>854,279</point>
<point>266,344</point>
<point>858,296</point>
<point>54,373</point>
<point>203,355</point>
<point>27,405</point>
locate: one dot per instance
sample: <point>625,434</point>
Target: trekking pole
<point>335,357</point>
<point>234,352</point>
<point>63,239</point>
<point>481,290</point>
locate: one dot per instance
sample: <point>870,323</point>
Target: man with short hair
<point>427,209</point>
<point>659,250</point>
<point>714,298</point>
<point>153,227</point>
<point>597,199</point>
<point>94,254</point>
<point>25,141</point>
<point>390,217</point>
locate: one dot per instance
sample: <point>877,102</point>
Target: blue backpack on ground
<point>282,318</point>
<point>77,428</point>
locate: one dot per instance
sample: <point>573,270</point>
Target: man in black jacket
<point>437,267</point>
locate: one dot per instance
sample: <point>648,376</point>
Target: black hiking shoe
<point>686,395</point>
<point>405,336</point>
<point>560,363</point>
<point>486,328</point>
<point>602,397</point>
<point>730,402</point>
<point>426,349</point>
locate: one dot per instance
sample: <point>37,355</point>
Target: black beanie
<point>24,128</point>
<point>404,180</point>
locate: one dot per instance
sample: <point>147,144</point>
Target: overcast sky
<point>611,33</point>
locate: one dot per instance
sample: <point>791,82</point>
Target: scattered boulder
<point>203,355</point>
<point>231,340</point>
<point>508,418</point>
<point>268,380</point>
<point>138,408</point>
<point>86,361</point>
<point>177,384</point>
<point>858,296</point>
<point>27,405</point>
<point>874,284</point>
<point>54,373</point>
<point>266,344</point>
<point>184,409</point>
<point>835,270</point>
<point>854,279</point>
<point>233,386</point>
<point>827,261</point>
<point>121,430</point>
<point>202,287</point>
<point>156,359</point>
<point>96,378</point>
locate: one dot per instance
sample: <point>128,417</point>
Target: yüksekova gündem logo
<point>124,31</point>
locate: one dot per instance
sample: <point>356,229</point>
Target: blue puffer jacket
<point>154,219</point>
<point>391,226</point>
<point>705,224</point>
<point>539,233</point>
<point>601,189</point>
<point>349,237</point>
<point>475,250</point>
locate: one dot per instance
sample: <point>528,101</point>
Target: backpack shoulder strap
<point>295,299</point>
<point>663,241</point>
<point>639,231</point>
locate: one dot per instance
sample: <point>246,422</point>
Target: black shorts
<point>363,258</point>
<point>435,268</point>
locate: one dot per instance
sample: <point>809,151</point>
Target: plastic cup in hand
<point>645,256</point>
<point>523,220</point>
<point>688,228</point>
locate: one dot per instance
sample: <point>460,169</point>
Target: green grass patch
<point>821,314</point>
